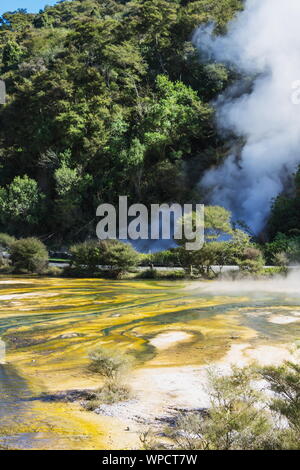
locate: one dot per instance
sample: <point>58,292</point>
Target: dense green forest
<point>108,98</point>
<point>105,98</point>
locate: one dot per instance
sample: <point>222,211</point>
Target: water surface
<point>50,325</point>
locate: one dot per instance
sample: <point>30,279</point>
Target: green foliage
<point>21,204</point>
<point>217,222</point>
<point>86,256</point>
<point>118,88</point>
<point>6,241</point>
<point>70,188</point>
<point>118,257</point>
<point>236,250</point>
<point>11,54</point>
<point>285,216</point>
<point>241,416</point>
<point>29,255</point>
<point>110,393</point>
<point>283,250</point>
<point>166,258</point>
<point>235,420</point>
<point>111,365</point>
<point>285,384</point>
<point>251,261</point>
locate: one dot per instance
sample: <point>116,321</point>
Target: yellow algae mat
<point>49,326</point>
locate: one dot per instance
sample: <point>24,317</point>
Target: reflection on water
<point>14,408</point>
<point>50,325</point>
<point>13,393</point>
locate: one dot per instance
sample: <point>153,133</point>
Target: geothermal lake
<point>173,329</point>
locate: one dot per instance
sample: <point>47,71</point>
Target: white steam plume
<point>264,42</point>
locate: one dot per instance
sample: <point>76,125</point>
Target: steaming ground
<point>289,284</point>
<point>263,43</point>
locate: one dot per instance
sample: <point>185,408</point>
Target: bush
<point>281,259</point>
<point>5,266</point>
<point>112,366</point>
<point>283,250</point>
<point>148,274</point>
<point>29,255</point>
<point>109,364</point>
<point>241,416</point>
<point>284,382</point>
<point>155,274</point>
<point>112,255</point>
<point>21,205</point>
<point>6,241</point>
<point>54,271</point>
<point>252,260</point>
<point>110,393</point>
<point>232,422</point>
<point>167,258</point>
<point>86,256</point>
<point>118,257</point>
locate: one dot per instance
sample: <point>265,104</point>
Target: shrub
<point>109,364</point>
<point>167,258</point>
<point>252,260</point>
<point>232,422</point>
<point>29,255</point>
<point>148,274</point>
<point>155,274</point>
<point>54,271</point>
<point>6,241</point>
<point>5,265</point>
<point>86,256</point>
<point>113,255</point>
<point>284,382</point>
<point>112,366</point>
<point>118,257</point>
<point>281,259</point>
<point>21,205</point>
<point>240,415</point>
<point>110,393</point>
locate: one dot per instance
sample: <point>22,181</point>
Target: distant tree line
<point>109,98</point>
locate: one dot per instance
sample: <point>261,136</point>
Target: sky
<point>32,6</point>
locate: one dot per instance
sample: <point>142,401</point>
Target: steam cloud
<point>262,42</point>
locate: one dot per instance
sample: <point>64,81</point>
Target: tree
<point>12,53</point>
<point>119,85</point>
<point>214,251</point>
<point>283,249</point>
<point>252,260</point>
<point>113,255</point>
<point>71,189</point>
<point>29,255</point>
<point>217,222</point>
<point>21,204</point>
<point>284,381</point>
<point>175,115</point>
